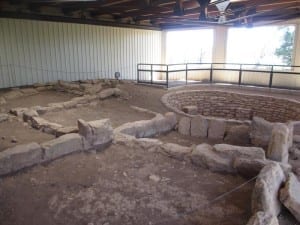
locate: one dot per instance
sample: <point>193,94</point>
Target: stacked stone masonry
<point>233,105</point>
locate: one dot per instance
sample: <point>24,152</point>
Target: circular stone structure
<point>232,105</point>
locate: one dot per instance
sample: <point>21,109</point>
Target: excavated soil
<point>41,99</point>
<point>113,187</point>
<point>14,133</point>
<point>118,110</point>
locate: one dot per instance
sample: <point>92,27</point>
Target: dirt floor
<point>14,133</point>
<point>41,99</point>
<point>118,110</point>
<point>113,187</point>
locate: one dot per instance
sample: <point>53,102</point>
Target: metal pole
<point>211,73</point>
<point>186,74</point>
<point>151,74</point>
<point>138,73</point>
<point>240,75</point>
<point>271,77</point>
<point>167,76</point>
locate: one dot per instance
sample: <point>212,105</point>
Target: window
<point>189,46</point>
<point>261,45</point>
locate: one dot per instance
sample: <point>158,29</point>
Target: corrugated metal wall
<point>38,51</point>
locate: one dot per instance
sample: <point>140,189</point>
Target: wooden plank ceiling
<point>155,14</point>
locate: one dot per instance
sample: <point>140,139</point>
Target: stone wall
<point>234,106</point>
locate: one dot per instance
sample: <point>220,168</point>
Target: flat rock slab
<point>19,157</point>
<point>203,155</point>
<point>262,218</point>
<point>13,94</point>
<point>199,127</point>
<point>61,146</point>
<point>260,132</point>
<point>278,149</point>
<point>216,129</point>
<point>176,151</point>
<point>184,126</point>
<point>266,189</point>
<point>232,151</point>
<point>290,196</point>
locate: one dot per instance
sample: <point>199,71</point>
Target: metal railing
<point>244,74</point>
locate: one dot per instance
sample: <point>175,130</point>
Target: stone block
<point>109,93</point>
<point>176,151</point>
<point>199,127</point>
<point>204,156</point>
<point>184,126</point>
<point>216,129</point>
<point>97,133</point>
<point>62,146</point>
<point>19,157</point>
<point>262,218</point>
<point>290,196</point>
<point>238,135</point>
<point>28,114</point>
<point>232,151</point>
<point>190,109</point>
<point>278,149</point>
<point>66,130</point>
<point>266,189</point>
<point>260,132</point>
<point>18,111</point>
<point>3,117</point>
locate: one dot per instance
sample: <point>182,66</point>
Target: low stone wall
<point>233,105</point>
<point>93,135</point>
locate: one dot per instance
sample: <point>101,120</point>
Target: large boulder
<point>265,193</point>
<point>260,132</point>
<point>176,151</point>
<point>109,92</point>
<point>290,196</point>
<point>238,135</point>
<point>28,114</point>
<point>184,126</point>
<point>232,151</point>
<point>97,134</point>
<point>278,149</point>
<point>263,218</point>
<point>204,156</point>
<point>216,129</point>
<point>19,157</point>
<point>18,111</point>
<point>199,127</point>
<point>62,146</point>
<point>166,123</point>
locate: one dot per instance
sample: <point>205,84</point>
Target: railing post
<point>138,73</point>
<point>186,74</point>
<point>167,76</point>
<point>271,77</point>
<point>240,75</point>
<point>211,73</point>
<point>151,73</point>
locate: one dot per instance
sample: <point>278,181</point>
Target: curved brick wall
<point>234,105</point>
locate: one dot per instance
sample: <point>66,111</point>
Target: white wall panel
<point>39,51</point>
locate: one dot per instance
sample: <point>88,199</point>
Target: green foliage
<point>285,51</point>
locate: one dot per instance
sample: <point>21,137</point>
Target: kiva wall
<point>39,51</point>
